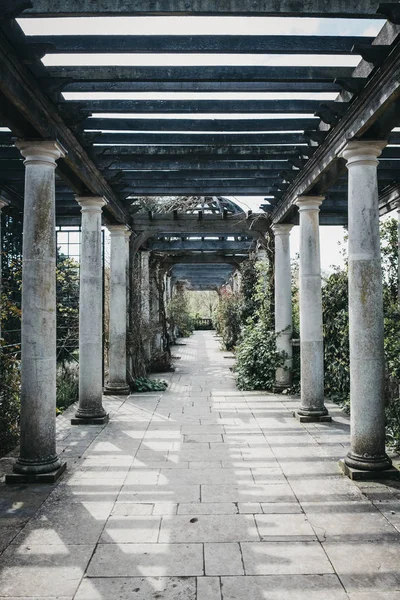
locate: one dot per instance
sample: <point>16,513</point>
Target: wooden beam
<point>367,117</point>
<point>189,175</point>
<point>196,106</point>
<point>125,152</point>
<point>189,224</point>
<point>197,139</point>
<point>203,258</point>
<point>182,163</point>
<point>203,73</point>
<point>196,44</point>
<point>195,86</point>
<point>33,115</point>
<point>265,8</point>
<point>202,190</point>
<point>203,246</point>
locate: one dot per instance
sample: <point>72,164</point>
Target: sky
<point>330,250</point>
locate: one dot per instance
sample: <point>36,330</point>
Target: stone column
<point>117,352</point>
<point>90,409</point>
<point>312,407</point>
<point>398,251</point>
<point>38,460</point>
<point>365,312</point>
<point>3,203</point>
<point>283,302</point>
<point>145,293</point>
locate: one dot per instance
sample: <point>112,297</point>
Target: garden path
<point>201,493</point>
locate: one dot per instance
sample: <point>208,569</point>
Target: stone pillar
<point>90,409</point>
<point>38,460</point>
<point>3,203</point>
<point>312,407</point>
<point>283,302</point>
<point>398,250</point>
<point>117,352</point>
<point>145,294</point>
<point>365,312</point>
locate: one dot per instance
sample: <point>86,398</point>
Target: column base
<point>37,477</point>
<point>312,417</point>
<point>362,475</point>
<point>116,390</point>
<point>367,463</point>
<point>90,420</point>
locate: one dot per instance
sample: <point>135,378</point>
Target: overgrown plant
<point>143,384</point>
<point>178,312</point>
<point>256,355</point>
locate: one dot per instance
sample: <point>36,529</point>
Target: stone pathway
<point>201,493</point>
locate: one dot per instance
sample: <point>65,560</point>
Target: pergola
<point>103,164</point>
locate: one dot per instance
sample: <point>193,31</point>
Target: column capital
<point>362,152</point>
<point>128,234</point>
<point>282,228</point>
<point>41,152</point>
<point>309,202</point>
<point>117,230</point>
<point>90,203</point>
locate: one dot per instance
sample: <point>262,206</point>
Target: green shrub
<point>228,319</point>
<point>143,384</point>
<point>257,358</point>
<point>10,383</point>
<point>67,388</point>
<point>178,313</point>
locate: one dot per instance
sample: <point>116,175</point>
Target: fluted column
<point>365,311</point>
<point>283,302</point>
<point>312,407</point>
<point>38,460</point>
<point>117,352</point>
<point>90,409</point>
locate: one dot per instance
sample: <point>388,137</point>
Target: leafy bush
<point>67,388</point>
<point>228,318</point>
<point>10,382</point>
<point>336,336</point>
<point>143,384</point>
<point>257,358</point>
<point>178,313</point>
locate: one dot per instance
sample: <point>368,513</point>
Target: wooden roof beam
<point>195,44</point>
<point>266,8</point>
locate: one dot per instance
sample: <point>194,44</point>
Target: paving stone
<point>126,530</point>
<point>280,492</point>
<point>375,596</point>
<point>137,588</point>
<point>52,524</point>
<point>284,527</point>
<point>160,493</point>
<point>291,558</point>
<point>366,566</point>
<point>147,560</point>
<point>42,570</point>
<point>281,508</point>
<point>223,559</point>
<point>249,507</point>
<point>207,508</point>
<point>130,509</point>
<point>292,587</point>
<point>208,528</point>
<point>208,588</point>
<point>348,521</point>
